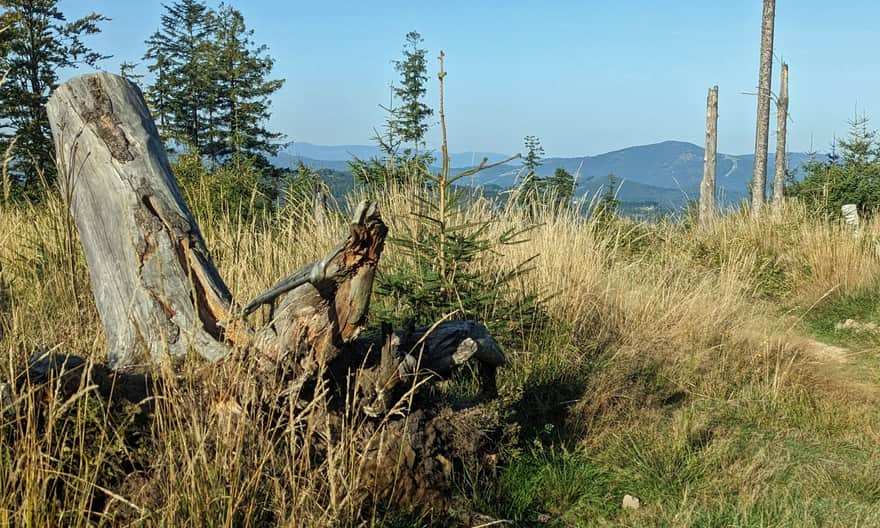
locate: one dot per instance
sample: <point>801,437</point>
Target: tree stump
<point>160,296</point>
<point>155,286</point>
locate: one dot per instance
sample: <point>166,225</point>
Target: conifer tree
<point>608,203</point>
<point>127,71</point>
<point>530,187</point>
<point>179,53</point>
<point>241,95</point>
<point>850,175</point>
<point>443,251</point>
<point>37,42</point>
<point>407,123</point>
<point>561,187</point>
<point>410,119</point>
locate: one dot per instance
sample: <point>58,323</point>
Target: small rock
<point>630,502</point>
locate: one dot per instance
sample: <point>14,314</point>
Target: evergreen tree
<point>410,118</point>
<point>850,177</point>
<point>561,187</point>
<point>239,107</point>
<point>36,43</point>
<point>442,274</point>
<point>530,188</point>
<point>180,54</point>
<point>405,124</point>
<point>608,203</point>
<point>127,71</point>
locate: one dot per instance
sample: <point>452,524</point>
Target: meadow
<point>707,370</point>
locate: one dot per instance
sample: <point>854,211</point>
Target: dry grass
<point>674,367</point>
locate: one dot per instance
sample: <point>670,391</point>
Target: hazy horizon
<point>585,79</point>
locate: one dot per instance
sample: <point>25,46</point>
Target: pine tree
<point>410,118</point>
<point>442,276</point>
<point>405,124</point>
<point>530,187</point>
<point>608,203</point>
<point>561,187</point>
<point>240,102</point>
<point>127,71</point>
<point>36,43</point>
<point>850,175</point>
<point>179,53</point>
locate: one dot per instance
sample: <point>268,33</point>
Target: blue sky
<point>585,77</point>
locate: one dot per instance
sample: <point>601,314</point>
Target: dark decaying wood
<point>158,291</point>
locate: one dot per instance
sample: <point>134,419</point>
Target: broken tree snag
<point>155,286</point>
<point>323,306</point>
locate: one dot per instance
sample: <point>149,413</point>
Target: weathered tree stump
<point>155,286</point>
<point>160,296</point>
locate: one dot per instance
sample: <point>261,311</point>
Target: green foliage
<point>179,52</point>
<point>211,90</point>
<point>826,319</point>
<point>530,189</point>
<point>36,43</point>
<point>561,187</point>
<point>565,486</point>
<point>127,71</point>
<point>557,190</point>
<point>406,123</point>
<point>534,153</point>
<point>241,186</point>
<point>444,253</point>
<point>850,177</point>
<point>441,275</point>
<point>607,205</point>
<point>409,121</point>
<point>770,279</point>
<point>239,106</point>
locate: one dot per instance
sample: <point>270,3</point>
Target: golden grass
<point>639,314</point>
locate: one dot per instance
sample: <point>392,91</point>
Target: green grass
<point>862,306</point>
<point>707,463</point>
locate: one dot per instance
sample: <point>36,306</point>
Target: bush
<point>850,177</point>
<point>241,186</point>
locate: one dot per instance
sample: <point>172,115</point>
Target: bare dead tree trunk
<point>781,127</point>
<point>762,127</point>
<point>707,186</point>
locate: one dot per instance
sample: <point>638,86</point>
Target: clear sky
<point>584,76</point>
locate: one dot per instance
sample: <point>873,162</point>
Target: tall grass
<point>675,366</point>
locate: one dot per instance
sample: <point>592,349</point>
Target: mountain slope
<point>668,173</point>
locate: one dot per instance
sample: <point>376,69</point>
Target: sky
<point>586,77</point>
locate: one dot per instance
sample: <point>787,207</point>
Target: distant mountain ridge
<point>667,173</point>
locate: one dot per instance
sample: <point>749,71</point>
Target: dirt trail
<point>827,352</point>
